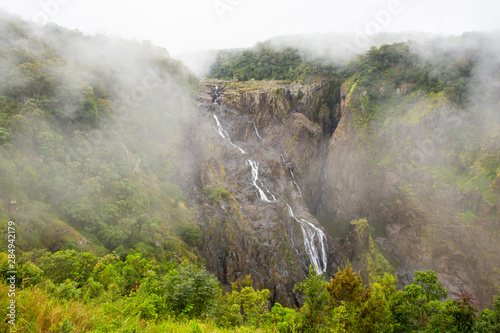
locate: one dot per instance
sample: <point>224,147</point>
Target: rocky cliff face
<point>245,166</point>
<point>257,147</point>
<point>397,172</point>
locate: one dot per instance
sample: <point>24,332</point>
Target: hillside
<point>89,141</point>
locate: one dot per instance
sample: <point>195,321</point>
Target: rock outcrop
<point>389,172</point>
<point>244,166</point>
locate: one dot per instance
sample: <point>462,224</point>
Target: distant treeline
<point>266,63</point>
<point>392,65</point>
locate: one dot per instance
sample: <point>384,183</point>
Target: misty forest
<point>282,191</point>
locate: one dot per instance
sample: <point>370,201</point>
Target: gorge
<point>254,195</point>
<point>343,173</point>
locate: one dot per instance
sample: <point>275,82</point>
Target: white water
<point>225,135</point>
<point>296,185</point>
<point>312,234</point>
<point>256,130</point>
<point>255,181</point>
<point>272,195</point>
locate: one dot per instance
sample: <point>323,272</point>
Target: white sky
<point>188,25</point>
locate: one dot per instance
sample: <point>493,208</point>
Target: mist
<point>104,115</point>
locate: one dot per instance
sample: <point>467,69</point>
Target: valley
<point>280,192</point>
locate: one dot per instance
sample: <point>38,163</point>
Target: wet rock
<point>243,233</point>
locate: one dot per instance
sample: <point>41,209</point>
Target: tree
<point>432,288</point>
<point>285,320</point>
<point>346,287</point>
<point>244,305</point>
<point>192,235</point>
<point>315,298</point>
<point>69,264</point>
<point>355,308</point>
<point>415,307</point>
<point>489,321</point>
<point>191,291</point>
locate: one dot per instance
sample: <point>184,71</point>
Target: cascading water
<point>313,235</point>
<point>255,181</point>
<point>256,130</point>
<point>225,135</point>
<point>314,238</point>
<point>293,178</point>
<point>262,189</point>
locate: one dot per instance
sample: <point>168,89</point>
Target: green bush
<point>69,244</point>
<point>92,289</point>
<point>488,320</point>
<point>244,305</point>
<point>216,193</point>
<point>285,320</point>
<point>68,264</point>
<point>31,274</point>
<point>192,235</point>
<point>68,290</point>
<point>190,291</point>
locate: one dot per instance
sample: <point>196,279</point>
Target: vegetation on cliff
<point>431,125</point>
<point>417,151</point>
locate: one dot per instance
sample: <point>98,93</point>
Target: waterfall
<point>225,135</point>
<point>291,173</point>
<point>293,177</point>
<point>256,130</point>
<point>256,180</point>
<point>312,237</point>
<point>315,242</point>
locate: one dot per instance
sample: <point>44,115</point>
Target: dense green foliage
<point>372,261</point>
<point>381,72</point>
<point>394,65</point>
<point>455,108</point>
<point>60,292</point>
<point>216,193</point>
<point>265,63</point>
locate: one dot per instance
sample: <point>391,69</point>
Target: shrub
<point>68,264</point>
<point>31,274</point>
<point>92,289</point>
<point>68,290</point>
<point>244,305</point>
<point>216,193</point>
<point>285,320</point>
<point>191,290</point>
<point>192,235</point>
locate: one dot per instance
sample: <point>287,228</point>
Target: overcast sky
<point>188,25</point>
